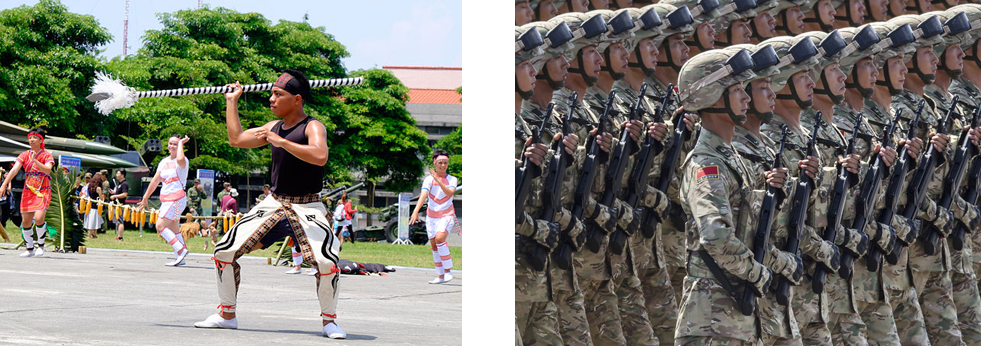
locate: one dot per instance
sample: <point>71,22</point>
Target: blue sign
<point>71,163</point>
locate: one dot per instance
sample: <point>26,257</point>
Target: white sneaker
<point>437,280</point>
<point>311,272</point>
<point>331,330</point>
<point>27,253</point>
<point>293,270</point>
<point>447,277</point>
<point>39,251</point>
<point>175,263</point>
<point>215,321</point>
<point>180,258</point>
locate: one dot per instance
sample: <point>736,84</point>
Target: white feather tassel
<point>118,94</point>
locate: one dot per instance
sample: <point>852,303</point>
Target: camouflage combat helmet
<point>556,37</point>
<point>812,7</point>
<point>796,54</point>
<point>765,61</point>
<point>781,11</point>
<point>957,27</point>
<point>527,45</point>
<point>706,77</point>
<point>832,48</point>
<point>647,24</point>
<point>619,25</point>
<point>863,42</point>
<point>675,20</point>
<point>973,13</point>
<point>586,30</point>
<point>929,31</point>
<point>897,39</point>
<point>717,13</point>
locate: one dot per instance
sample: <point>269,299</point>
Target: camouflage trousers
<point>770,340</point>
<point>633,313</point>
<point>968,303</point>
<point>874,324</point>
<point>807,307</point>
<point>662,308</point>
<point>602,312</point>
<point>909,317</point>
<point>711,341</point>
<point>517,334</point>
<point>537,323</point>
<point>572,318</point>
<point>937,301</point>
<point>674,255</point>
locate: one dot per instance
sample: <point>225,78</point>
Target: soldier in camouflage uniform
<point>708,21</point>
<point>858,315</point>
<point>778,324</point>
<point>598,299</point>
<point>624,280</point>
<point>543,10</point>
<point>740,28</point>
<point>788,16</point>
<point>930,274</point>
<point>535,314</point>
<point>763,25</point>
<point>554,67</point>
<point>962,276</point>
<point>715,191</point>
<point>898,288</point>
<point>522,13</point>
<point>793,86</point>
<point>966,86</point>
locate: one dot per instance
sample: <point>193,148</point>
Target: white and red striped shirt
<point>173,178</point>
<point>439,204</point>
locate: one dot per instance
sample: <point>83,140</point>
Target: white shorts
<point>172,210</point>
<point>443,224</point>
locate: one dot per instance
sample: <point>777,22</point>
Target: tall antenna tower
<point>126,28</point>
<point>199,4</point>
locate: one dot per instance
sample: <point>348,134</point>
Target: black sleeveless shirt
<point>290,175</point>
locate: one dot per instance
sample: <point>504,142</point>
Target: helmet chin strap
<point>524,94</point>
<point>609,69</point>
<point>848,15</point>
<point>887,82</point>
<point>697,42</point>
<point>927,78</point>
<point>669,57</point>
<point>590,81</point>
<point>736,118</point>
<point>952,73</point>
<point>866,92</point>
<point>642,65</point>
<point>794,95</point>
<point>555,85</point>
<point>764,117</point>
<point>785,28</point>
<point>817,19</point>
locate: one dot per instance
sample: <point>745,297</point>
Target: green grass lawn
<point>400,255</point>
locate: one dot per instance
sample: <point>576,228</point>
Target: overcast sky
<point>376,33</point>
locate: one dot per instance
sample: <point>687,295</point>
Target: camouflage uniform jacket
<point>716,193</point>
<point>194,199</point>
<point>529,285</point>
<point>969,94</point>
<point>808,306</point>
<point>758,153</point>
<point>918,260</point>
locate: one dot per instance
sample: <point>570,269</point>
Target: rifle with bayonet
<point>762,237</point>
<point>528,172</point>
<point>562,256</point>
<point>915,193</point>
<point>952,182</point>
<point>973,190</point>
<point>594,232</point>
<point>798,209</point>
<point>844,181</point>
<point>619,237</point>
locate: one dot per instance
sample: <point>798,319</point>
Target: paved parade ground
<point>114,297</point>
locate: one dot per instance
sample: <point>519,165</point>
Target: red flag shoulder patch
<point>706,173</point>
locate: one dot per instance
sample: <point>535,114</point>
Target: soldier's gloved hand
<point>575,233</point>
<point>858,242</point>
<point>789,266</point>
<point>656,202</point>
<point>546,233</point>
<point>887,237</point>
<point>626,215</point>
<point>761,280</point>
<point>599,214</point>
<point>943,220</point>
<point>965,212</point>
<point>903,228</point>
<point>829,255</point>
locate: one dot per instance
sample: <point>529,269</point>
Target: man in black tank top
<point>299,153</point>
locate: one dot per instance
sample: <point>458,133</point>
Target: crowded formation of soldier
<point>742,172</point>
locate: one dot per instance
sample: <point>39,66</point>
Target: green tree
<point>47,60</point>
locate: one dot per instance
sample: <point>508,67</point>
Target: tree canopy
<point>49,58</point>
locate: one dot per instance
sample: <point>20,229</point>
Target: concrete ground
<point>114,297</point>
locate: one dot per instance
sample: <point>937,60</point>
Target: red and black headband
<point>290,84</point>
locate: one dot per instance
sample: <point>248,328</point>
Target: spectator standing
<point>119,194</point>
<point>93,220</point>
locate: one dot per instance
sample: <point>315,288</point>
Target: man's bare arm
<point>314,153</point>
<point>236,137</point>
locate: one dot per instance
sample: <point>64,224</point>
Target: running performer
<point>299,152</point>
<point>172,171</point>
<point>438,189</point>
<point>37,164</point>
